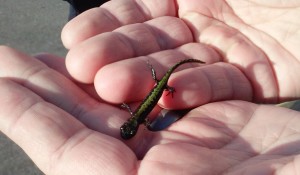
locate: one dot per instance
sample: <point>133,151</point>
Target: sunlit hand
<point>251,46</point>
<point>65,131</point>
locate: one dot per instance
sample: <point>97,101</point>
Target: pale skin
<point>251,48</point>
<point>66,131</point>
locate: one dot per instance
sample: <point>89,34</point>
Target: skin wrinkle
<point>237,135</point>
<point>50,166</point>
<point>31,72</point>
<point>243,36</point>
<point>229,15</point>
<point>268,146</point>
<point>18,119</point>
<point>138,6</point>
<point>161,43</point>
<point>293,129</point>
<point>210,87</point>
<point>61,149</point>
<point>249,121</point>
<point>169,10</point>
<point>249,156</point>
<point>85,115</point>
<point>242,82</point>
<point>182,28</point>
<point>227,76</point>
<point>287,51</point>
<point>111,17</point>
<point>273,72</point>
<point>80,111</point>
<point>125,41</point>
<point>76,109</point>
<point>195,140</point>
<point>128,41</point>
<point>263,35</point>
<point>32,109</point>
<point>244,31</point>
<point>296,168</point>
<point>265,56</point>
<point>264,148</point>
<point>157,147</point>
<point>209,144</point>
<point>281,133</point>
<point>63,128</point>
<point>270,5</point>
<point>192,137</point>
<point>288,34</point>
<point>232,94</point>
<point>125,14</point>
<point>207,121</point>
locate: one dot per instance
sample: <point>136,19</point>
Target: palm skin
<point>72,133</point>
<point>66,131</point>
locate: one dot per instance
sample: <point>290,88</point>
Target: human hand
<point>251,48</point>
<point>65,131</point>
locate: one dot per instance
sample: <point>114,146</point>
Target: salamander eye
<point>128,130</point>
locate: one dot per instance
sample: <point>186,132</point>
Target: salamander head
<point>128,129</point>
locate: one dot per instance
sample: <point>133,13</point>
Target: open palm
<point>65,131</point>
<point>251,46</point>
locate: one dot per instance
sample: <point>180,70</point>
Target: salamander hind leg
<point>147,122</point>
<point>153,72</point>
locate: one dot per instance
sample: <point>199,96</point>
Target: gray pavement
<point>31,26</point>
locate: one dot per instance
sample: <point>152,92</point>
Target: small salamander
<point>139,116</point>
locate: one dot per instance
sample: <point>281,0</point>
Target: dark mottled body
<point>139,116</point>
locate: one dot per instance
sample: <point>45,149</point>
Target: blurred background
<point>31,26</point>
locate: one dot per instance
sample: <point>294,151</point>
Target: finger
<point>194,87</point>
<point>238,50</point>
<point>56,141</point>
<point>56,89</point>
<point>198,86</point>
<point>58,64</point>
<point>55,62</point>
<point>132,78</point>
<point>112,15</point>
<point>84,60</point>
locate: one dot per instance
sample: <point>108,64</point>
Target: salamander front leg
<point>170,90</point>
<point>126,106</point>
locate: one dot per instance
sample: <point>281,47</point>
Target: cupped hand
<point>66,131</point>
<point>251,48</point>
